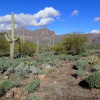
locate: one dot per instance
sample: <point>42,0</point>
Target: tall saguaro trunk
<point>12,35</point>
<point>11,51</point>
<point>11,38</point>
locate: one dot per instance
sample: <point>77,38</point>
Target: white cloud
<point>95,31</point>
<point>45,18</point>
<point>97,19</point>
<point>58,17</point>
<point>75,13</point>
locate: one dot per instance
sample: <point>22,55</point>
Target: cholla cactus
<point>11,38</point>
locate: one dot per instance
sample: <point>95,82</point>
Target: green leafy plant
<point>93,60</point>
<point>2,92</point>
<point>32,98</point>
<point>28,48</point>
<point>94,80</point>
<point>82,65</point>
<point>7,85</point>
<point>80,73</point>
<point>33,86</point>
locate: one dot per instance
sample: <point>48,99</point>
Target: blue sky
<point>71,15</point>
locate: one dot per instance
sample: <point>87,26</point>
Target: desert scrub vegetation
<point>74,44</point>
<point>32,98</point>
<point>89,68</point>
<point>94,80</point>
<point>31,87</point>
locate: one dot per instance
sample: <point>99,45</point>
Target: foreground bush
<point>6,85</point>
<point>2,92</point>
<point>94,80</point>
<point>32,98</point>
<point>80,73</point>
<point>33,85</point>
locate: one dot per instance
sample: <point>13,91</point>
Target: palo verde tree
<point>11,38</point>
<point>75,43</point>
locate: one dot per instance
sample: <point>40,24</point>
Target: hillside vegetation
<point>21,77</point>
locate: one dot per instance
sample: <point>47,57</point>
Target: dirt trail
<point>61,85</point>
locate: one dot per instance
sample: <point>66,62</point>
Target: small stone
<point>41,77</point>
<point>14,90</point>
<point>54,82</point>
<point>10,94</point>
<point>18,94</point>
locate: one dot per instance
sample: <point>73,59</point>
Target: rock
<point>54,82</point>
<point>10,94</point>
<point>41,77</point>
<point>14,90</point>
<point>18,94</point>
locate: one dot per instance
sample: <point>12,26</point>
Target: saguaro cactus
<point>53,41</point>
<point>37,44</point>
<point>22,39</point>
<point>49,45</point>
<point>11,38</point>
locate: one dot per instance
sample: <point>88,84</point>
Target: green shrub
<point>94,80</point>
<point>27,48</point>
<point>75,43</point>
<point>2,92</point>
<point>80,73</point>
<point>4,46</point>
<point>16,50</point>
<point>59,49</point>
<point>94,68</point>
<point>33,86</point>
<point>32,98</point>
<point>41,72</point>
<point>22,71</point>
<point>47,68</point>
<point>34,70</point>
<point>82,65</point>
<point>97,51</point>
<point>7,85</point>
<point>84,54</point>
<point>93,60</point>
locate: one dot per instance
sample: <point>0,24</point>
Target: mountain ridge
<point>44,34</point>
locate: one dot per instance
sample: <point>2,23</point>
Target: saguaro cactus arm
<point>8,37</point>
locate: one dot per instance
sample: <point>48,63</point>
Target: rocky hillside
<point>43,35</point>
